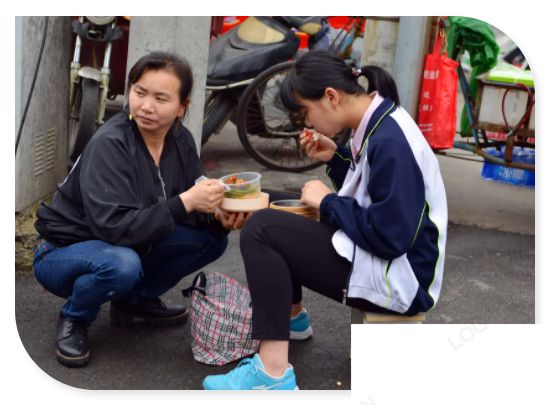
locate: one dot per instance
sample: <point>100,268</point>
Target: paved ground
<point>489,278</point>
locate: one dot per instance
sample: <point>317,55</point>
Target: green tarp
<point>477,38</point>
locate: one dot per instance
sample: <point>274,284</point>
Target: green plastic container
<point>506,73</point>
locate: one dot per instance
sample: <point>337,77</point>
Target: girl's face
<point>324,115</point>
<point>154,101</point>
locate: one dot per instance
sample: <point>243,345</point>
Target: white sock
<point>270,375</point>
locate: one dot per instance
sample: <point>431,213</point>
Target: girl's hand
<point>205,196</point>
<point>313,193</point>
<point>317,145</point>
<point>231,220</point>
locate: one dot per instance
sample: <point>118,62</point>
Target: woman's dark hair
<point>164,61</point>
<point>318,69</point>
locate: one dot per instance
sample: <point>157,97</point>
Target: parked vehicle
<point>245,70</point>
<point>246,67</point>
<point>97,39</point>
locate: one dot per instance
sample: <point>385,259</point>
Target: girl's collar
<point>384,109</point>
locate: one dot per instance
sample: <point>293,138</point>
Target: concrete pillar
<point>412,45</point>
<point>41,160</point>
<point>185,36</point>
<point>399,45</point>
<point>380,41</point>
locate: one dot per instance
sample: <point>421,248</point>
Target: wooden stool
<point>359,317</point>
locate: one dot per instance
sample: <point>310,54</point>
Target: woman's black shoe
<point>152,310</point>
<point>72,343</point>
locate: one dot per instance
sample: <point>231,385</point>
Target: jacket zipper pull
<point>345,294</point>
<point>161,182</point>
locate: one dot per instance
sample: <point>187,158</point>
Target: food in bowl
<point>242,185</point>
<point>234,180</point>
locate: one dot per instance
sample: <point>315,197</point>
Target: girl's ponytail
<point>318,69</point>
<point>381,81</point>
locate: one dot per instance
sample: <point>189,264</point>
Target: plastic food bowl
<point>249,188</point>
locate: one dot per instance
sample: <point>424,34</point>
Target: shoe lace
<point>245,366</point>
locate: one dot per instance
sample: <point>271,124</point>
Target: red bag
<point>437,106</point>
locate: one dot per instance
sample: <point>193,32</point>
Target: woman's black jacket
<point>116,193</point>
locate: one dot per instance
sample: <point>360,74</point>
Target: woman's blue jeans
<point>92,272</point>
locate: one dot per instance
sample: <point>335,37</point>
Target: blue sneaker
<point>251,375</point>
<point>300,329</point>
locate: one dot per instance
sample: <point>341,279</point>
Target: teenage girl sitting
<point>380,243</point>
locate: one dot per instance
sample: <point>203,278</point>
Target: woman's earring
<point>130,117</point>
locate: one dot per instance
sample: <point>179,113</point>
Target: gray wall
<point>41,159</point>
<point>185,36</point>
<point>380,41</point>
<point>399,46</point>
<point>412,45</point>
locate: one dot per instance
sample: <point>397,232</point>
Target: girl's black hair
<point>318,69</point>
<point>164,61</point>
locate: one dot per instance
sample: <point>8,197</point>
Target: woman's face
<point>323,115</point>
<point>154,101</point>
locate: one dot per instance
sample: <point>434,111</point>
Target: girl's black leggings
<point>282,252</point>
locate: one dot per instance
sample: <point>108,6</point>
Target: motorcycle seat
<point>232,58</point>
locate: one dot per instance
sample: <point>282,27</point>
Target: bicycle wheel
<point>267,130</point>
<point>83,117</point>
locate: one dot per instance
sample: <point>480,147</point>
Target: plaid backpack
<point>221,319</point>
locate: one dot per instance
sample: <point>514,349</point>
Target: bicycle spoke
<point>281,151</point>
<point>269,130</point>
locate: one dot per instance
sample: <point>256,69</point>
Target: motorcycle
<point>90,84</point>
<point>246,67</point>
